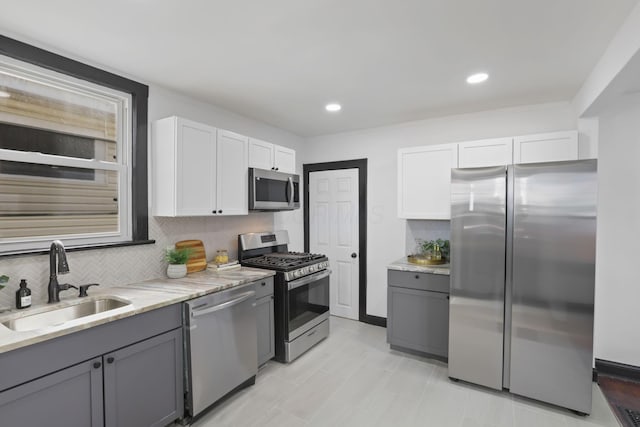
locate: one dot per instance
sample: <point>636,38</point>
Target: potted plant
<point>3,279</point>
<point>177,259</point>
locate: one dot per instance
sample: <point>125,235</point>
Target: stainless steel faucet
<point>56,250</point>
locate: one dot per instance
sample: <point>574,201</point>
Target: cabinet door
<point>424,180</point>
<point>71,397</point>
<point>264,319</point>
<point>260,154</point>
<point>143,382</point>
<point>233,174</point>
<point>284,159</point>
<point>487,152</point>
<point>195,168</point>
<point>418,320</point>
<point>547,147</point>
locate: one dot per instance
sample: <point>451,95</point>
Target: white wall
<point>115,266</point>
<point>617,317</point>
<point>386,233</point>
<point>624,45</point>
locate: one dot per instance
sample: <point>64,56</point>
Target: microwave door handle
<point>290,195</point>
<point>308,279</point>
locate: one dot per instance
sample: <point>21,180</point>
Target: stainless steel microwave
<point>273,191</point>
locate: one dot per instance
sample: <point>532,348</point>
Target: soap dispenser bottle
<point>23,295</point>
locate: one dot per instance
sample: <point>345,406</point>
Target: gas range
<point>292,264</point>
<point>301,291</point>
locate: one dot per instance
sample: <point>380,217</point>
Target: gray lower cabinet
<point>133,376</point>
<point>418,315</point>
<point>265,320</point>
<point>71,397</point>
<point>141,387</point>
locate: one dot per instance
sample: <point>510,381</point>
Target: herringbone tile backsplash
<point>117,266</point>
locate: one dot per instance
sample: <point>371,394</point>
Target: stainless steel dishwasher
<point>221,346</point>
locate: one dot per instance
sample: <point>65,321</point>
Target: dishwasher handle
<point>226,304</point>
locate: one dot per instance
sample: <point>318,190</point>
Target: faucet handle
<point>83,289</point>
<point>66,286</point>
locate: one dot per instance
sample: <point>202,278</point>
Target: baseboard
<point>620,370</point>
<point>374,320</point>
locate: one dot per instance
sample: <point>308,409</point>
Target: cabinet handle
<point>447,296</point>
<point>110,359</point>
<point>96,365</point>
<point>214,212</point>
<point>220,211</point>
<point>277,169</point>
<point>273,168</point>
<point>417,276</point>
<point>263,284</point>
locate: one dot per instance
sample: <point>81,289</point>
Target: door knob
<point>353,255</point>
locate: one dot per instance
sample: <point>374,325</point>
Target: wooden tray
<point>198,258</point>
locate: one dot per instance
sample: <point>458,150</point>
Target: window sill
<point>79,248</point>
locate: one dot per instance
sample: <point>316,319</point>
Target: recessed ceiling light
<point>4,94</point>
<point>477,78</point>
<point>333,107</point>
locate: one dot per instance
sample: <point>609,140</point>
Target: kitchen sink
<point>59,315</point>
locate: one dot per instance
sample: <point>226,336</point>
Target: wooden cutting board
<point>198,258</point>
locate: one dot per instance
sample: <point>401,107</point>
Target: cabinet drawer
<point>414,280</point>
<point>264,287</point>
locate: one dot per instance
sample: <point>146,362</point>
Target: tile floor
<point>354,379</point>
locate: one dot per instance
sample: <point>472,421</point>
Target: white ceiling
<point>281,61</point>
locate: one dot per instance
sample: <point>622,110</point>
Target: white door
<point>333,230</point>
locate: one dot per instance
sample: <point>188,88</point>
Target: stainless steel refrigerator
<point>522,279</point>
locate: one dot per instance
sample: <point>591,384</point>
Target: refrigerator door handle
<point>508,282</point>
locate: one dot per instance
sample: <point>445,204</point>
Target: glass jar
<point>222,257</point>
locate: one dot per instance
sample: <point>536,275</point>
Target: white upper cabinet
<point>284,159</point>
<point>265,155</point>
<point>547,147</point>
<point>486,152</point>
<point>424,181</point>
<point>260,154</point>
<point>232,173</point>
<point>198,170</point>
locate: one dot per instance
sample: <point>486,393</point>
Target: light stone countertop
<point>403,265</point>
<point>144,296</point>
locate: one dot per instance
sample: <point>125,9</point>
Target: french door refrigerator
<point>522,279</point>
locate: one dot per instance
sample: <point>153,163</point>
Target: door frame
<point>361,165</point>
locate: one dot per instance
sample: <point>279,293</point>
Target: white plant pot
<point>176,271</point>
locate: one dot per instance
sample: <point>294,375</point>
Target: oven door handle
<point>308,279</point>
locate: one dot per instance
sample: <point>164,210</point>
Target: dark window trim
<point>139,112</point>
<point>361,165</point>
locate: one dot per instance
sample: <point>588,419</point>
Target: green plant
<point>429,246</point>
<point>3,279</point>
<point>178,256</point>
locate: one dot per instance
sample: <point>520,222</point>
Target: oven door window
<point>306,304</point>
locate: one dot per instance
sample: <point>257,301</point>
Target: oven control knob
<point>296,273</point>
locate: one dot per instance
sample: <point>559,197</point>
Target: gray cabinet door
<point>71,397</point>
<point>266,338</point>
<point>143,382</point>
<point>418,320</point>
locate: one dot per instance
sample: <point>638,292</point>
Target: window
<point>67,146</point>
